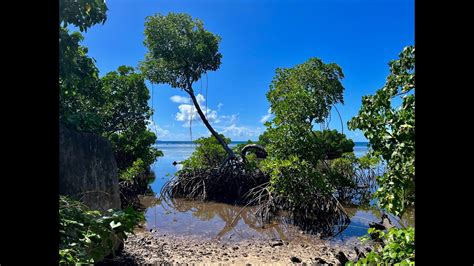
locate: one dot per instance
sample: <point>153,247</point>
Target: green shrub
<point>87,236</point>
<point>294,178</point>
<point>398,247</point>
<point>208,154</point>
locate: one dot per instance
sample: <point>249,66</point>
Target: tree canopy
<point>127,100</point>
<point>79,83</point>
<point>180,50</point>
<point>82,13</point>
<point>299,98</point>
<point>125,116</point>
<point>114,106</point>
<point>306,92</point>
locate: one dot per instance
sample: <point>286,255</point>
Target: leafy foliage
<point>82,13</point>
<point>305,93</point>
<point>391,132</point>
<point>294,178</point>
<point>88,236</point>
<point>79,85</point>
<point>300,97</point>
<point>240,146</point>
<point>125,115</point>
<point>115,106</point>
<point>354,179</point>
<point>127,100</point>
<point>79,82</point>
<point>397,248</point>
<point>180,50</point>
<point>208,153</point>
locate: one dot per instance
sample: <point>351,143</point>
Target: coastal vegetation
<point>114,106</point>
<point>299,167</point>
<point>391,133</point>
<point>180,51</point>
<point>88,236</point>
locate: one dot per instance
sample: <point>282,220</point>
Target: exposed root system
<point>228,183</point>
<point>235,184</point>
<point>320,214</point>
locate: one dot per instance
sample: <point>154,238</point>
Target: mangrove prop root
<point>320,214</point>
<point>234,183</point>
<point>228,183</point>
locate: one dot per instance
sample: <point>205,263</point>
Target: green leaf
<point>115,225</point>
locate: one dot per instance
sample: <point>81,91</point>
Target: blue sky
<point>362,36</point>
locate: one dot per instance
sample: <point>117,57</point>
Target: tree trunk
<point>204,120</point>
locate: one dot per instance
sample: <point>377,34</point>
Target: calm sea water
<point>223,221</point>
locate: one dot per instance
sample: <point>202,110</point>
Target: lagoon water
<point>227,222</point>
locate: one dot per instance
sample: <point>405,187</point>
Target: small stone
<point>295,259</point>
<point>235,248</point>
<point>342,257</point>
<point>320,261</point>
<point>276,243</point>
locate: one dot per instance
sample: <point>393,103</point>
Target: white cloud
<point>180,99</point>
<point>267,116</point>
<point>219,106</point>
<point>229,119</point>
<point>157,129</point>
<point>188,112</point>
<point>241,131</point>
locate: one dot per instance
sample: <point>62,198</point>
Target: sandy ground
<point>158,249</point>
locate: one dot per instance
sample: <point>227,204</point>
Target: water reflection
<point>225,222</point>
<point>213,220</point>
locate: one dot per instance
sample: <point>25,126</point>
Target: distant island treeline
<point>357,143</point>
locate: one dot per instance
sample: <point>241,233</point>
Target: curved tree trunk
<point>204,120</point>
<point>259,150</point>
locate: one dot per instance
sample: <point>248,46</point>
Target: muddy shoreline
<point>155,248</point>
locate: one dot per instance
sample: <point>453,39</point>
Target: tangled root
<point>235,183</point>
<point>229,183</point>
<point>320,214</point>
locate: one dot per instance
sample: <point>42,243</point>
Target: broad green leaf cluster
<point>391,133</point>
<point>87,236</point>
<point>398,248</point>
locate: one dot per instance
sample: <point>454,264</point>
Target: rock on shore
<point>157,248</point>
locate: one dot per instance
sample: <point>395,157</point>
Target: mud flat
<point>157,248</point>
